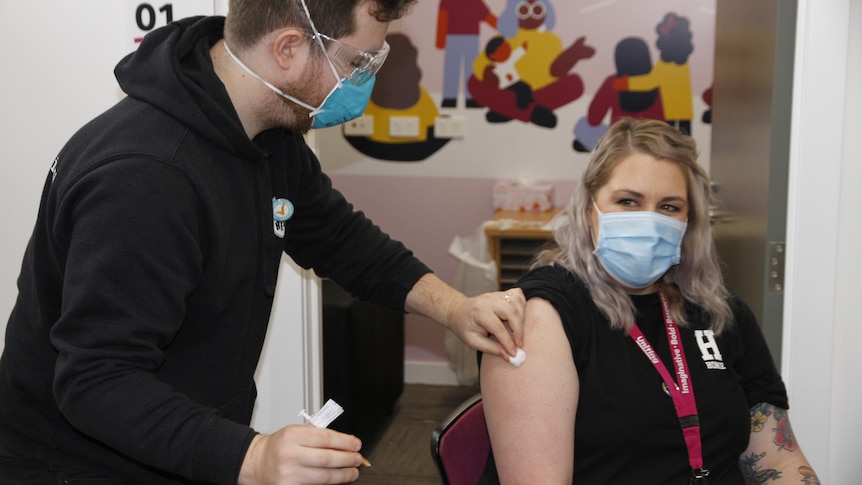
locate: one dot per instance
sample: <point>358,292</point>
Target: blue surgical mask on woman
<point>637,247</point>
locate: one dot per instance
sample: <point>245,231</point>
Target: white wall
<point>822,317</point>
<point>845,419</point>
<point>846,396</point>
<point>290,375</point>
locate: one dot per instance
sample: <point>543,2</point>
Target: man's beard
<point>306,90</point>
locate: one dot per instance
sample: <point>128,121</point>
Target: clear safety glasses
<point>354,65</point>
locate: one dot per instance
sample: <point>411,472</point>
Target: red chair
<point>460,444</point>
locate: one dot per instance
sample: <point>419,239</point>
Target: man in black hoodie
<point>147,285</point>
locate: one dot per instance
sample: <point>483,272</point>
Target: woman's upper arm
<point>773,455</point>
<point>530,410</point>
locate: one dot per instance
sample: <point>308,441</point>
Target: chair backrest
<point>460,444</point>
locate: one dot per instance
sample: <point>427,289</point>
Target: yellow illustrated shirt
<point>674,83</point>
<point>543,47</point>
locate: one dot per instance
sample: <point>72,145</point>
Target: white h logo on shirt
<point>709,351</point>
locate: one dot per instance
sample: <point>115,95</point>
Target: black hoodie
<point>147,285</point>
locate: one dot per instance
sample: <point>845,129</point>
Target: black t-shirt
<point>626,428</point>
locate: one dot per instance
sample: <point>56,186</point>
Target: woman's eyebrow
<point>634,194</point>
<point>628,192</point>
<point>675,198</point>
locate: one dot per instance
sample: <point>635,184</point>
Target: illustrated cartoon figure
<point>631,57</point>
<point>458,23</point>
<point>671,74</point>
<point>504,58</point>
<point>544,67</point>
<point>398,92</point>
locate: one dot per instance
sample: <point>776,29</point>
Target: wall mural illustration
<point>632,58</point>
<point>671,74</point>
<point>544,66</point>
<point>642,90</point>
<point>512,64</point>
<point>398,92</point>
<point>458,24</point>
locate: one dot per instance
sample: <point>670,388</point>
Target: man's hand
<point>492,323</point>
<point>301,454</point>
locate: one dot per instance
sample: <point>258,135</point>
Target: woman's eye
<point>627,202</point>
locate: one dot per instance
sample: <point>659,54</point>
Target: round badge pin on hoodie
<point>282,210</point>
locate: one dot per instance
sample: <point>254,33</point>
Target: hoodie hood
<point>172,71</point>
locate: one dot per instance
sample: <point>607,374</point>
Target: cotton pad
<point>519,358</point>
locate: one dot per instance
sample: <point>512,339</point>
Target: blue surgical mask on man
<point>637,247</point>
<point>344,102</point>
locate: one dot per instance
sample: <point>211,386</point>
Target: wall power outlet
<point>362,126</point>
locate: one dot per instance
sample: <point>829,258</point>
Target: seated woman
<point>641,366</point>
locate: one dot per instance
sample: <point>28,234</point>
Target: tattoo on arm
<point>808,476</point>
<point>755,475</point>
<point>784,437</point>
<point>752,473</point>
<point>768,418</point>
<point>759,414</point>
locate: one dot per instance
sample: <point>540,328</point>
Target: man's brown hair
<point>248,21</point>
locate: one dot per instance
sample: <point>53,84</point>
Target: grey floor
<point>401,455</point>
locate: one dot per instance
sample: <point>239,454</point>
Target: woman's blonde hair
<point>697,278</point>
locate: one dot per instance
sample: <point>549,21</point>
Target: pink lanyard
<point>681,391</point>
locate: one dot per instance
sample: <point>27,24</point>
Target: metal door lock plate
<point>775,266</point>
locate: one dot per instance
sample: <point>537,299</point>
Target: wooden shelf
<point>514,239</point>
